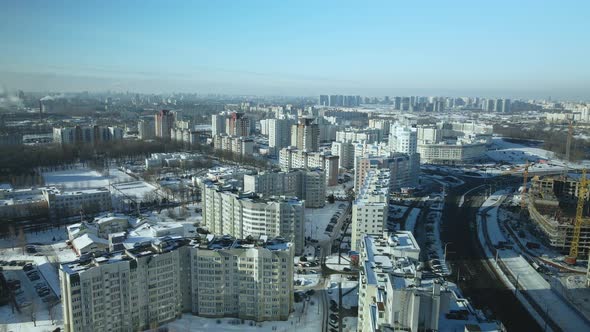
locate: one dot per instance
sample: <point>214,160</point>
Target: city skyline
<point>528,50</point>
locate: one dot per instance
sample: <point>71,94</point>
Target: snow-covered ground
<point>332,262</point>
<point>120,183</point>
<point>412,219</point>
<point>350,296</point>
<point>79,178</point>
<point>307,317</point>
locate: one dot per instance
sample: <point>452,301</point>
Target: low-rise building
<point>63,204</point>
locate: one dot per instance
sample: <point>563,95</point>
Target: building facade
<point>226,211</point>
<point>164,122</point>
<point>305,135</point>
<point>63,204</point>
<point>292,158</point>
<point>308,185</point>
<point>157,281</point>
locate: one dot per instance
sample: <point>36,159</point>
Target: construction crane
<point>582,189</point>
<point>525,175</point>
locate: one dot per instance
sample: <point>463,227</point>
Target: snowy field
<point>80,178</point>
<point>135,189</point>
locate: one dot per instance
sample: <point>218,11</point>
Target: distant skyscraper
<point>324,100</point>
<point>279,134</point>
<point>498,106</point>
<point>397,103</point>
<point>488,105</point>
<point>217,124</point>
<point>305,135</point>
<point>506,106</point>
<point>146,129</point>
<point>238,125</point>
<point>164,123</point>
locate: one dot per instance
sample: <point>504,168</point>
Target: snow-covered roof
<point>87,240</point>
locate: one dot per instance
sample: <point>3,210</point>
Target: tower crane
<point>582,189</point>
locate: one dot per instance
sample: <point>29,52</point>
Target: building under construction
<point>551,203</point>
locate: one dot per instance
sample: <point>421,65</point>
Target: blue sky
<point>515,48</point>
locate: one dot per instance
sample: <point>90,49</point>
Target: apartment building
<point>398,165</point>
<point>279,134</point>
<point>370,135</point>
<point>345,153</point>
<point>86,134</point>
<point>227,211</point>
<point>370,209</point>
<point>164,122</point>
<point>393,296</point>
<point>452,153</point>
<point>308,185</point>
<point>293,158</point>
<point>63,204</point>
<point>157,281</point>
<point>305,135</point>
<point>242,146</point>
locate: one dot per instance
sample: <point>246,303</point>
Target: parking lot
<point>29,288</point>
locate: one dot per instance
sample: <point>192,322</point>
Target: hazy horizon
<point>531,49</point>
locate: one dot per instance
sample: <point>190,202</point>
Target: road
<point>477,279</point>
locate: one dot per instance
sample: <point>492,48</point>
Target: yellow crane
<point>582,189</point>
<point>525,175</point>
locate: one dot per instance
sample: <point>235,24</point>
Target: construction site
<point>552,203</point>
<point>558,206</point>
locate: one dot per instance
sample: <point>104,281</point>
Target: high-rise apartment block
<point>217,124</point>
<point>292,158</point>
<point>305,135</point>
<point>345,153</point>
<point>397,164</point>
<point>242,146</point>
<point>146,129</point>
<point>227,211</point>
<point>86,134</point>
<point>164,121</point>
<point>308,185</point>
<point>157,281</point>
<point>238,124</point>
<point>371,207</point>
<point>404,139</point>
<point>393,296</point>
<point>279,134</point>
<point>340,100</point>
